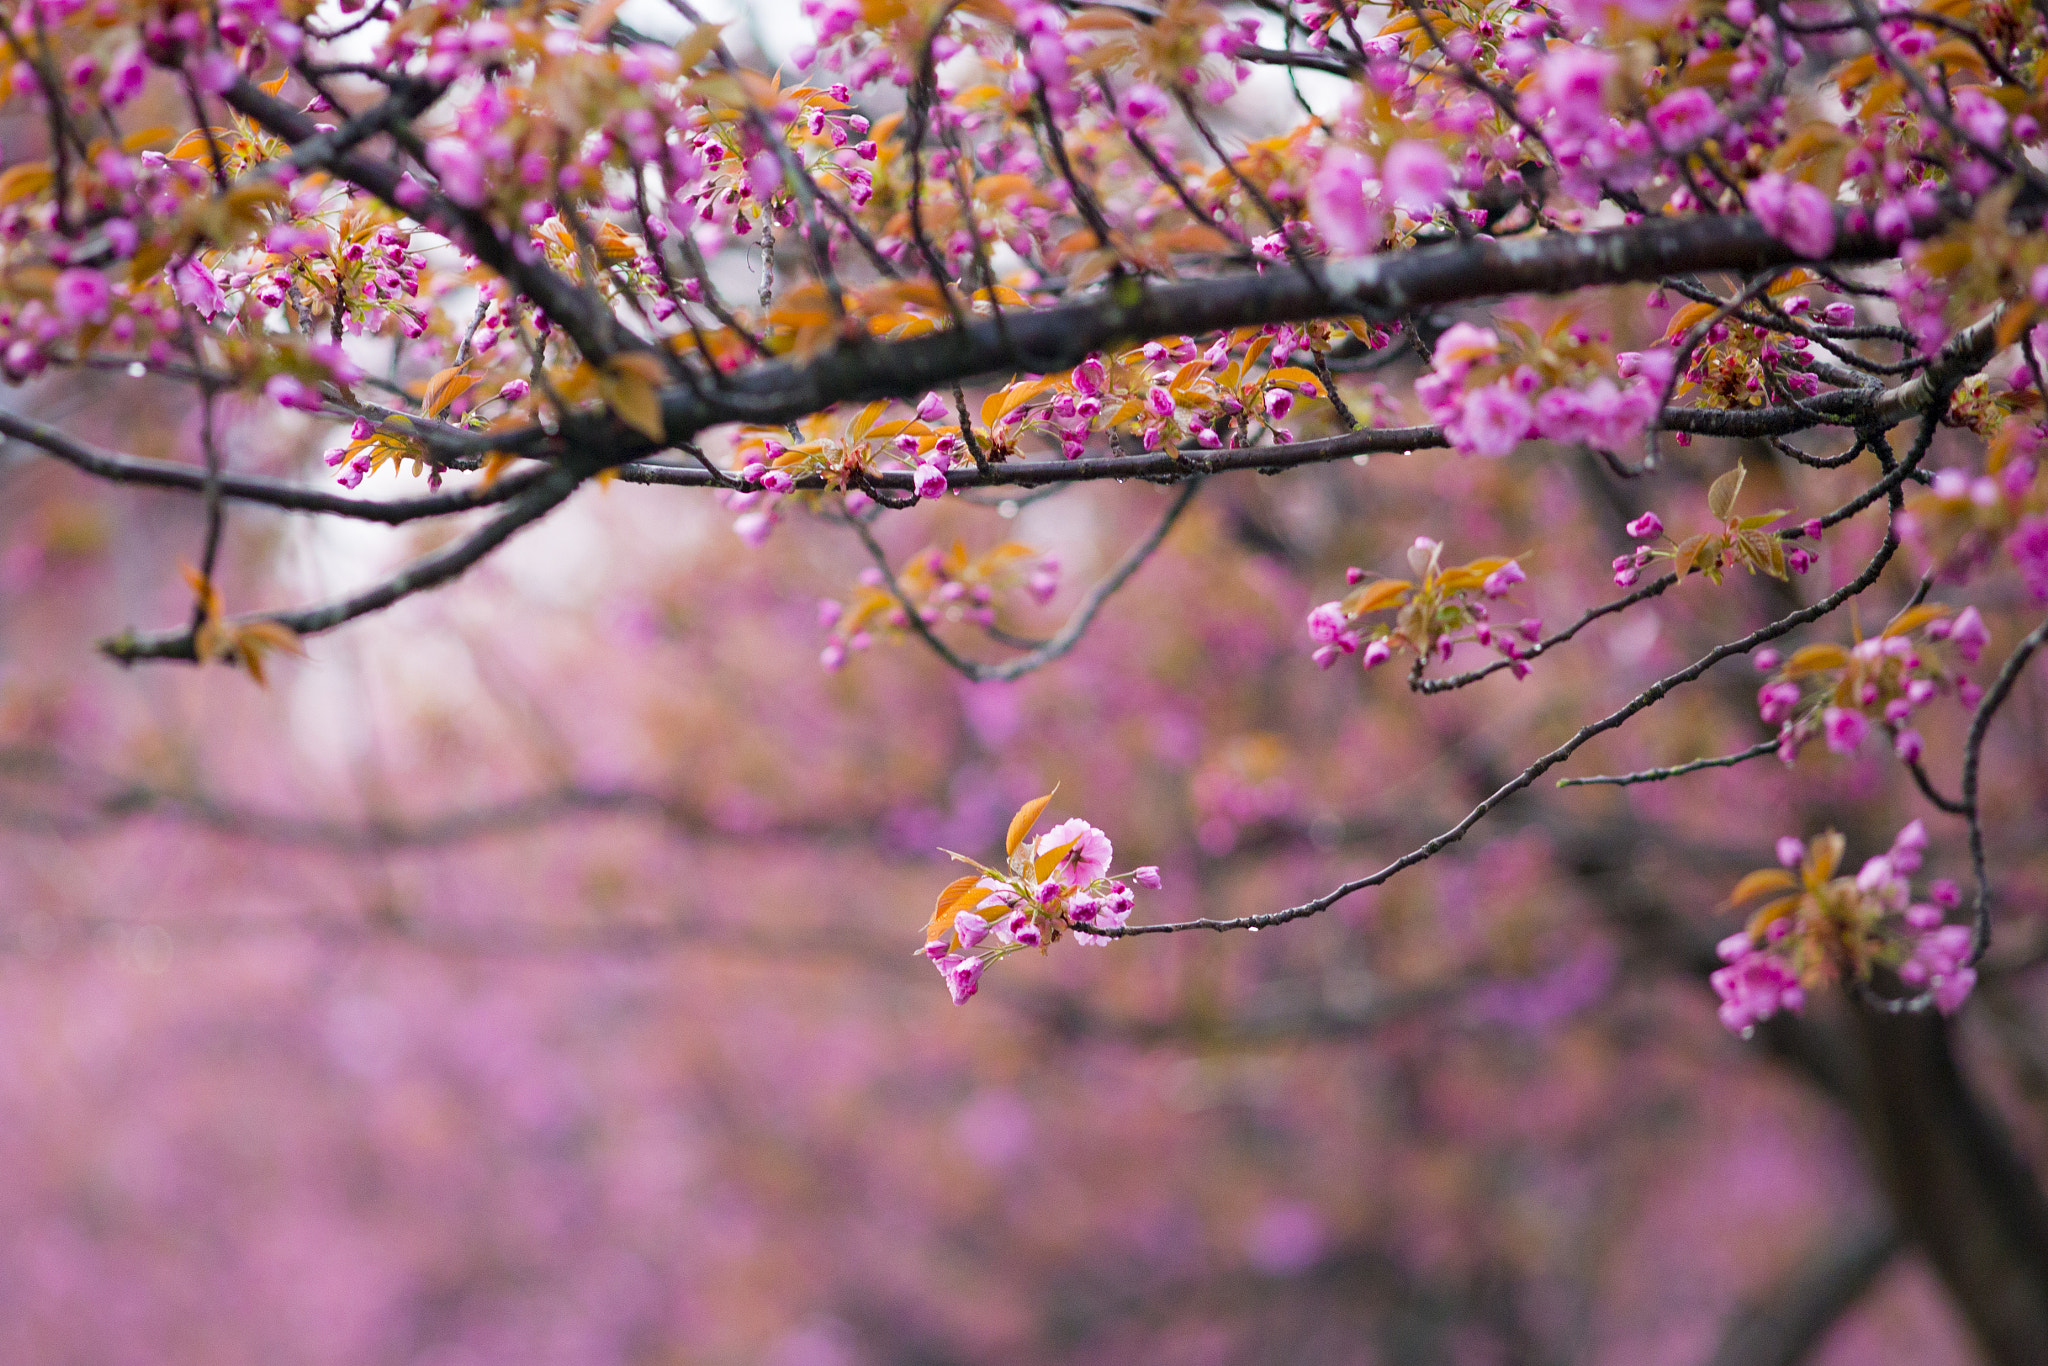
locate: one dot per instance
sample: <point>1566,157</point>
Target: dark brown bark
<point>1957,1185</point>
<point>1781,1329</point>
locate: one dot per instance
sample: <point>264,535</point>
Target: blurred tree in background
<point>637,485</point>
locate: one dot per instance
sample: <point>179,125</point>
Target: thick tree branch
<point>1384,287</point>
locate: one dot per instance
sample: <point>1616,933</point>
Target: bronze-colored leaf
<point>1721,495</point>
<point>1754,885</point>
<point>1026,817</point>
<point>1049,859</point>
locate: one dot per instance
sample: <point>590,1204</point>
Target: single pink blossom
<point>292,392</point>
<point>1327,624</point>
<point>1493,421</point>
<point>1684,118</point>
<point>1969,634</point>
<point>1086,861</point>
<point>460,169</point>
<point>1982,117</point>
<point>1337,204</point>
<point>1502,579</point>
<point>1753,988</point>
<point>963,976</point>
<point>81,296</point>
<point>1794,212</point>
<point>195,287</point>
<point>1416,177</point>
<point>1845,729</point>
<point>1573,82</point>
<point>1461,347</point>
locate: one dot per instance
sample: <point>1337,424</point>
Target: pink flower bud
<point>1148,876</point>
<point>1969,634</point>
<point>1646,526</point>
<point>1502,579</point>
<point>1791,850</point>
<point>963,976</point>
<point>1775,702</point>
<point>1844,728</point>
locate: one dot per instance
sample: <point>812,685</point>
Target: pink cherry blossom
<point>1794,212</point>
<point>1845,729</point>
<point>1416,176</point>
<point>1493,421</point>
<point>197,289</point>
<point>1337,204</point>
<point>81,296</point>
<point>1087,860</point>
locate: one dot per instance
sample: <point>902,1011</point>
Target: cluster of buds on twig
<point>1741,542</point>
<point>1433,613</point>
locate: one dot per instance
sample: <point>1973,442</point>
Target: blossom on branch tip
<point>1057,882</point>
<point>1969,634</point>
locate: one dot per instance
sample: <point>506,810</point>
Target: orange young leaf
<point>1050,859</point>
<point>952,897</point>
<point>1374,596</point>
<point>443,389</point>
<point>1026,817</point>
<point>1754,885</point>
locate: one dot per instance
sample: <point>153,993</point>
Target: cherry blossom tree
<point>1641,397</point>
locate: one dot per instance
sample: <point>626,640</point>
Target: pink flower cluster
<point>1756,984</point>
<point>1567,99</point>
<point>1837,693</point>
<point>1487,408</point>
<point>1058,881</point>
<point>1822,921</point>
<point>1794,212</point>
<point>1960,522</point>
